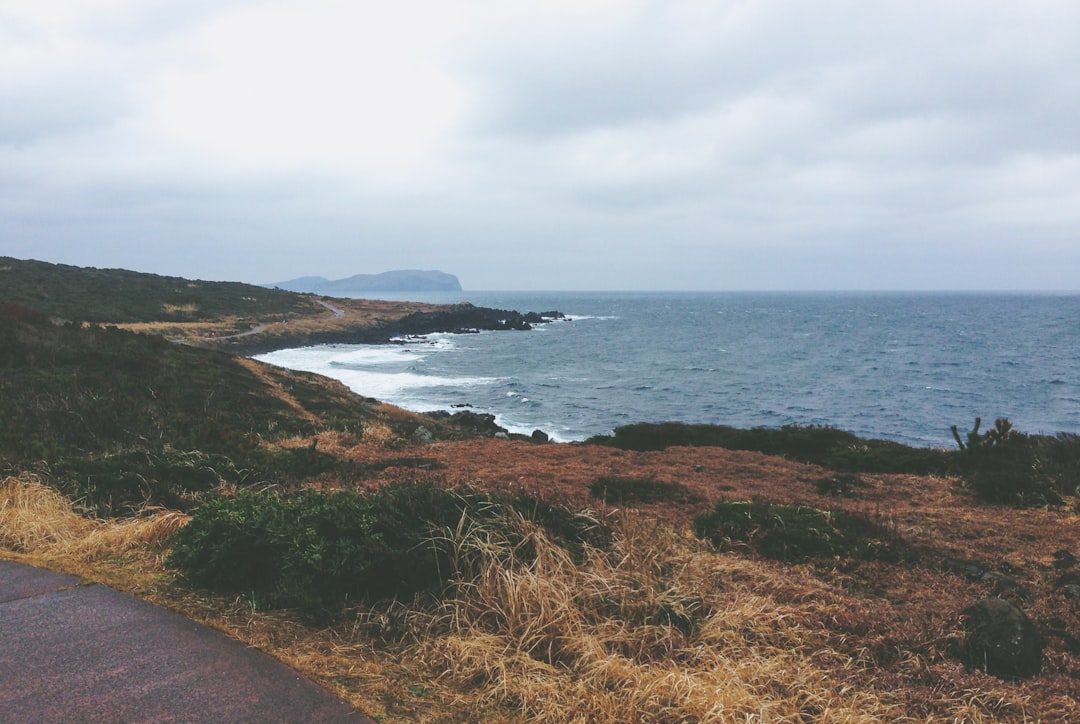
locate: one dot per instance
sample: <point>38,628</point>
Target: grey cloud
<point>859,64</point>
<point>754,145</point>
<point>57,107</point>
<point>147,21</point>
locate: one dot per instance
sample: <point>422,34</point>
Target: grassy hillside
<point>239,318</point>
<point>119,296</point>
<point>119,419</point>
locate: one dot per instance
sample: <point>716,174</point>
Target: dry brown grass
<point>35,519</point>
<point>180,308</point>
<point>647,628</point>
<point>657,628</point>
<point>374,438</point>
<point>190,331</point>
<point>358,314</point>
<point>262,371</point>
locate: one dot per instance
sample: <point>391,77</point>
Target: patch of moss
<point>797,533</point>
<point>640,491</point>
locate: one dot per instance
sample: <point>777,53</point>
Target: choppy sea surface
<point>898,366</point>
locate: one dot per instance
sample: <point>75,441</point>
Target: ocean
<point>896,366</point>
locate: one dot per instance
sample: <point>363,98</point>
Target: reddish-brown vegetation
<point>893,627</point>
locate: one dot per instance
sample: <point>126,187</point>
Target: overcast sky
<point>555,144</point>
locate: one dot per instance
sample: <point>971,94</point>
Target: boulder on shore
<point>1001,640</point>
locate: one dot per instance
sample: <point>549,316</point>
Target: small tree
<point>1002,466</point>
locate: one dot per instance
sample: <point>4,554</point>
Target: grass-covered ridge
<point>119,419</point>
<point>120,296</point>
<point>240,318</point>
<point>1001,464</point>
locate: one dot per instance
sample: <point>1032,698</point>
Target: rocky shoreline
<point>461,318</point>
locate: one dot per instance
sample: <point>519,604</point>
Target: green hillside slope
<point>120,296</point>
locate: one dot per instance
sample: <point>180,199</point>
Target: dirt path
<point>260,328</point>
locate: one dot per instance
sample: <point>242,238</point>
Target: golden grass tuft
<point>33,516</point>
<point>110,538</point>
<point>37,519</point>
<point>378,434</point>
<point>652,630</point>
<point>373,438</point>
<point>180,308</point>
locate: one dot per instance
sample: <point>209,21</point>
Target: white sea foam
<point>583,317</point>
<point>375,356</point>
<point>363,369</point>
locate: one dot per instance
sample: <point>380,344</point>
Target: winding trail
<point>339,313</point>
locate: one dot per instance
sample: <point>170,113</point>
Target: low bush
<point>636,491</point>
<point>821,445</point>
<point>1006,466</point>
<point>319,551</point>
<point>315,550</point>
<point>797,533</point>
<point>841,485</point>
<point>124,482</point>
<point>1059,457</point>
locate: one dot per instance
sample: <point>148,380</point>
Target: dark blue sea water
<point>899,366</point>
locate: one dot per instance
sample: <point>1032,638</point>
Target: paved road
<point>254,330</point>
<point>77,652</point>
<point>339,313</point>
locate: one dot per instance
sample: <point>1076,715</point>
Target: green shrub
<point>821,445</point>
<point>840,485</point>
<point>318,551</point>
<point>123,482</point>
<point>796,533</point>
<point>1059,459</point>
<point>1003,465</point>
<point>633,491</point>
<point>294,463</point>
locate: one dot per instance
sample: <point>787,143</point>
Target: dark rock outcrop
<point>1069,584</point>
<point>468,421</point>
<point>1064,559</point>
<point>458,318</point>
<point>1001,640</point>
<point>463,318</point>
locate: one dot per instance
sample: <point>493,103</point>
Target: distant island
<point>405,280</point>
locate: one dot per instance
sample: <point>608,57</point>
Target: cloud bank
<point>606,144</point>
